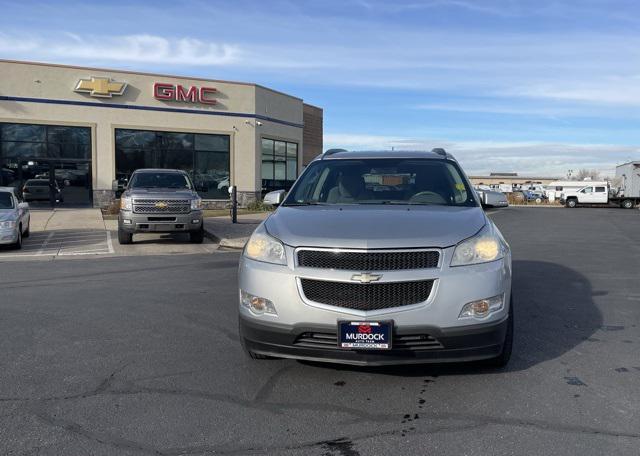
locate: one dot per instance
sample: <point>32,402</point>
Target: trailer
<point>626,196</point>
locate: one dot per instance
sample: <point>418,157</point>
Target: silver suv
<point>377,258</point>
<point>160,201</point>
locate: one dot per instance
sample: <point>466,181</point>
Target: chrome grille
<point>370,296</point>
<point>414,342</point>
<point>148,206</point>
<point>368,261</point>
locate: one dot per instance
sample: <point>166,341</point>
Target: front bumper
<point>159,223</point>
<point>468,343</point>
<point>460,339</point>
<point>9,236</point>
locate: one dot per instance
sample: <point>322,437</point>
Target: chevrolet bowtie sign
<point>100,87</point>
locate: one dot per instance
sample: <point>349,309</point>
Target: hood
<point>7,214</point>
<point>165,192</point>
<point>367,227</point>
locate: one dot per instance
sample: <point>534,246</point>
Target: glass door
<point>71,184</point>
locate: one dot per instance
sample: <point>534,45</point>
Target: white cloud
<point>142,48</point>
<point>481,157</point>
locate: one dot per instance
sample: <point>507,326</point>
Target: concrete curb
<point>537,206</point>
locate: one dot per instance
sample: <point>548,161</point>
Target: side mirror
<point>274,198</point>
<point>23,205</point>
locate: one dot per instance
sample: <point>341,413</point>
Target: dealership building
<point>82,128</point>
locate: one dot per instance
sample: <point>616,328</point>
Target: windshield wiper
<point>401,203</point>
<point>305,203</point>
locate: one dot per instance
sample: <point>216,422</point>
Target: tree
<point>588,174</point>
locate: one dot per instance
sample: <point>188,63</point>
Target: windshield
<point>6,201</point>
<point>160,180</point>
<point>382,181</point>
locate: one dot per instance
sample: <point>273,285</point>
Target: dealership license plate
<point>365,335</point>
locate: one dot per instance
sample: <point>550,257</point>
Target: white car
<point>15,218</point>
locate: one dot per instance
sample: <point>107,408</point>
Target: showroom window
<point>279,164</point>
<point>19,141</point>
<point>204,156</point>
<point>28,151</point>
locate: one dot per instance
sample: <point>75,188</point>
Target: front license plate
<point>365,335</point>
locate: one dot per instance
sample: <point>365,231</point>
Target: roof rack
<point>333,151</point>
<point>439,151</point>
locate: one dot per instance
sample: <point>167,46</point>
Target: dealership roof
<point>112,70</point>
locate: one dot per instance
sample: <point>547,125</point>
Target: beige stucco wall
<point>51,82</point>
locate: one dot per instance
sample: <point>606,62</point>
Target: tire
<point>627,204</point>
<point>507,347</point>
<point>27,232</point>
<point>197,237</point>
<point>571,203</point>
<point>124,237</point>
<point>18,243</point>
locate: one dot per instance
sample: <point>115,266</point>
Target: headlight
<point>125,203</point>
<point>484,247</point>
<point>10,224</point>
<point>196,204</point>
<point>262,247</point>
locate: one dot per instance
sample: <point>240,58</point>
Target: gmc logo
<point>193,94</point>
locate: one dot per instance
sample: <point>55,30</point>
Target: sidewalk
<point>66,219</point>
<point>232,235</point>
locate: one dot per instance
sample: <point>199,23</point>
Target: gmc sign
<point>193,94</point>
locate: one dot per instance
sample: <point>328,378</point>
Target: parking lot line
<point>64,243</point>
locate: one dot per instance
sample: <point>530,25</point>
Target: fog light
<point>194,221</point>
<point>483,307</point>
<point>256,304</point>
<point>127,222</point>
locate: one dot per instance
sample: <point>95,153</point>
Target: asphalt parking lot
<point>139,355</point>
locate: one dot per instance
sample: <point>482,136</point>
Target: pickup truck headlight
<point>484,247</point>
<point>262,247</point>
<point>196,204</point>
<point>126,203</point>
<point>7,225</point>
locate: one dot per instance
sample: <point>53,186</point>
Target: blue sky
<point>536,87</point>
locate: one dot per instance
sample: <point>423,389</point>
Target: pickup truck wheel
<point>124,237</point>
<point>503,358</point>
<point>197,237</point>
<point>571,203</point>
<point>627,204</point>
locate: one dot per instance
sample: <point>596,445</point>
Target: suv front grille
<point>414,342</point>
<point>369,296</point>
<point>160,206</point>
<point>368,261</point>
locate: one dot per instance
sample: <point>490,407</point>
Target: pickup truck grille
<point>366,296</point>
<point>368,261</point>
<point>160,206</point>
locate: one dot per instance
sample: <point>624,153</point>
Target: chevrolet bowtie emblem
<point>365,277</point>
<point>100,87</point>
<point>161,205</point>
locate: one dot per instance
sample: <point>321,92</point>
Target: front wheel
<point>18,243</point>
<point>124,237</point>
<point>627,204</point>
<point>507,347</point>
<point>571,203</point>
